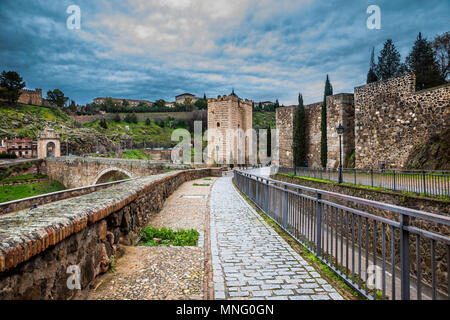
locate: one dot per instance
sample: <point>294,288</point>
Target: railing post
<point>371,177</point>
<point>404,257</point>
<point>318,225</point>
<point>394,180</point>
<point>285,203</point>
<point>424,183</point>
<point>354,175</point>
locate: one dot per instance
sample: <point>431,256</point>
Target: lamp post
<point>295,164</point>
<point>340,132</point>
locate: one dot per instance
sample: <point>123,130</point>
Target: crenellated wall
<point>227,115</point>
<point>37,247</point>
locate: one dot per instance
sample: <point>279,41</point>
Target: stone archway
<point>50,148</point>
<point>48,144</point>
<point>111,174</point>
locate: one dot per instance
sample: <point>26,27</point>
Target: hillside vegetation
<point>433,154</point>
<point>28,121</point>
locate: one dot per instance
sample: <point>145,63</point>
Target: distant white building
<point>182,97</point>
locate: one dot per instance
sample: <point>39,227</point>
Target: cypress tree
<point>371,75</point>
<point>300,134</point>
<point>323,124</point>
<point>269,142</point>
<point>422,61</point>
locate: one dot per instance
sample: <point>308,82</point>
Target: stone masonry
<point>391,118</point>
<point>383,122</point>
<point>340,110</point>
<point>74,172</point>
<point>38,246</point>
<point>229,114</point>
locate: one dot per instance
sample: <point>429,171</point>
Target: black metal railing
<point>425,182</point>
<point>383,251</point>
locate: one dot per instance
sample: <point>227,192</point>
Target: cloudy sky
<point>151,49</point>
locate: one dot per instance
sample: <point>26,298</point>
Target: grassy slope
<point>135,154</point>
<point>27,121</point>
<point>261,120</point>
<point>15,192</point>
<point>139,131</point>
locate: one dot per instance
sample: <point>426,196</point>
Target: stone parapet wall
<point>14,206</point>
<point>391,118</point>
<point>74,172</point>
<point>37,247</point>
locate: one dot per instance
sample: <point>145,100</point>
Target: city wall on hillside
<point>153,116</point>
<point>383,121</point>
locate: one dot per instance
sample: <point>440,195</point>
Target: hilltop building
<point>131,102</point>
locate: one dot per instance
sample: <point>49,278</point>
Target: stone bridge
<point>75,172</point>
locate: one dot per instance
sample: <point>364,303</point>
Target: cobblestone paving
<point>164,273</point>
<point>154,273</point>
<point>250,260</point>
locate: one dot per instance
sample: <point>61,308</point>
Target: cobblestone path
<point>250,260</point>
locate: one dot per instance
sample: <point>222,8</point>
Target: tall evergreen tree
<point>323,124</point>
<point>422,61</point>
<point>389,64</point>
<point>11,83</point>
<point>277,104</point>
<point>441,47</point>
<point>371,75</point>
<point>300,151</point>
<point>269,142</point>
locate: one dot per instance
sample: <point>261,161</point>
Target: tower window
<point>218,124</point>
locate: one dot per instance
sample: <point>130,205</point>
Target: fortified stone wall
<point>37,247</point>
<point>383,122</point>
<point>391,118</point>
<point>142,117</point>
<point>33,97</point>
<point>340,109</point>
<point>229,114</point>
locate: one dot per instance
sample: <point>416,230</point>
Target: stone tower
<point>229,130</point>
<point>48,144</point>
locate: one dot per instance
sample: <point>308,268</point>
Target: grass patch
<point>21,191</point>
<point>152,237</point>
<point>135,154</point>
<point>24,177</point>
<point>201,184</point>
<point>207,179</point>
<point>349,184</point>
<point>326,272</point>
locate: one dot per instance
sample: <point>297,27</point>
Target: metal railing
<point>383,251</point>
<point>426,182</point>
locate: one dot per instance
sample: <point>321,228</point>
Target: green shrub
<point>179,238</point>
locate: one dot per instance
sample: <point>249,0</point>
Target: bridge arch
<point>114,173</point>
